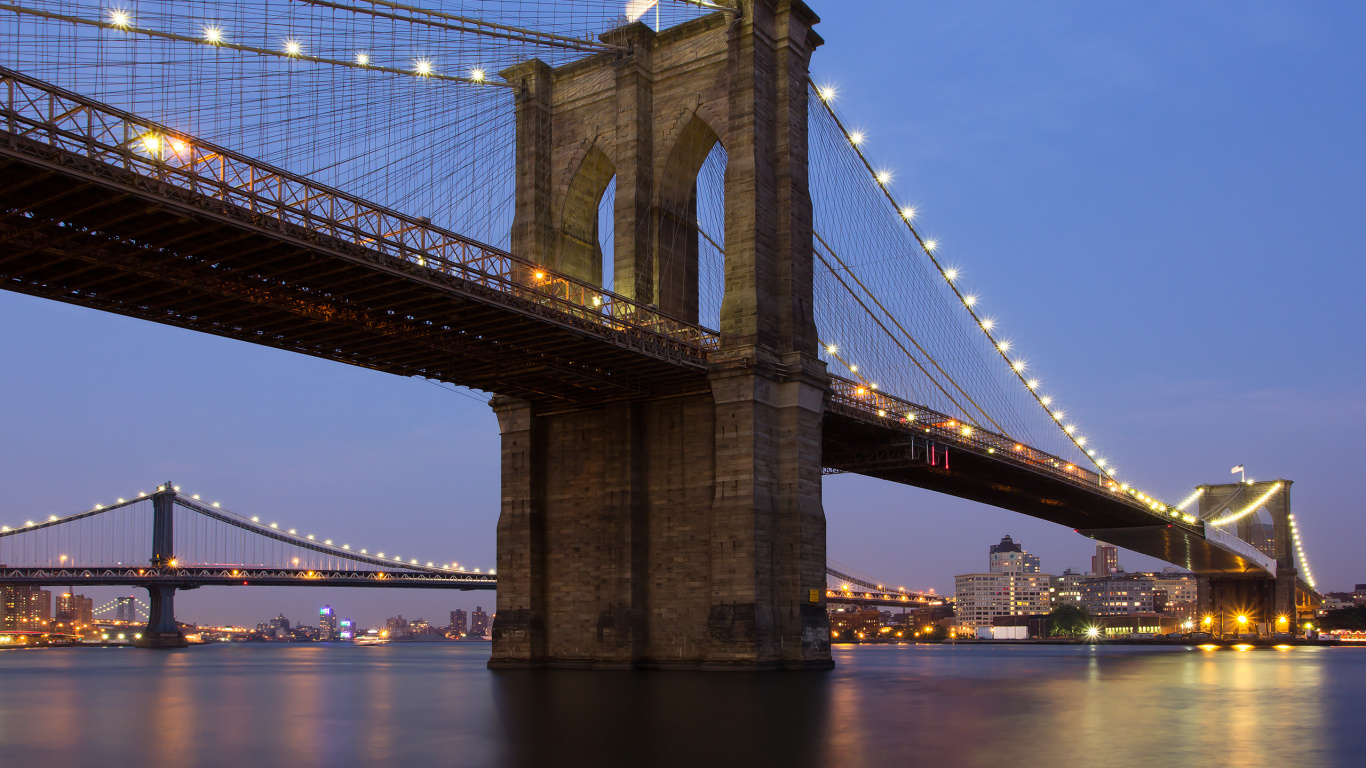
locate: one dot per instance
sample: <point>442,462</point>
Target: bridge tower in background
<point>679,529</point>
<point>162,631</point>
<point>1262,598</point>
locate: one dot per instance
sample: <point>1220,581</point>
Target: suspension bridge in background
<point>661,249</point>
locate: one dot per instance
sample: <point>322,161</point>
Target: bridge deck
<point>192,577</point>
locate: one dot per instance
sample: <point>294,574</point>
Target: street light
<point>1092,633</point>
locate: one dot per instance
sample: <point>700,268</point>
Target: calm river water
<point>436,705</point>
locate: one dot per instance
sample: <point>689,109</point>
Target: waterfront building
<point>75,614</point>
<point>327,624</point>
<point>1117,594</point>
<point>852,623</point>
<point>1013,586</point>
<point>479,622</point>
<point>459,624</point>
<point>1065,589</point>
<point>396,626</point>
<point>15,607</point>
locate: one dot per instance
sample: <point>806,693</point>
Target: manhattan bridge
<point>642,227</point>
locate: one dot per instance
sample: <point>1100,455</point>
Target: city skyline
<point>1000,121</point>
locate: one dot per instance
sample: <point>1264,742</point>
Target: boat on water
<point>371,638</point>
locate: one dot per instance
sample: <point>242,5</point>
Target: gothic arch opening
<point>579,250</point>
<point>677,244</point>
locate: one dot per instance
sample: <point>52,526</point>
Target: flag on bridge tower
<point>1236,469</point>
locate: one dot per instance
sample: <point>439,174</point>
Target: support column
<point>162,631</point>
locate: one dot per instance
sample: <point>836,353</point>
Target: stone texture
<point>685,530</point>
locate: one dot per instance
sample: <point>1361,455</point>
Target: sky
<point>1156,199</point>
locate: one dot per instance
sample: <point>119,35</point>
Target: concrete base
<point>162,639</point>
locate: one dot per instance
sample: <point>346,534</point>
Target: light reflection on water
<point>436,704</point>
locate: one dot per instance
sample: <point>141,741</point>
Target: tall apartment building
<point>75,614</point>
<point>459,623</point>
<point>15,607</point>
<point>1106,560</point>
<point>327,624</point>
<point>479,622</point>
<point>1013,586</point>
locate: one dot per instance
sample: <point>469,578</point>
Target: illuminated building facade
<point>1012,587</point>
<point>327,624</point>
<point>479,622</point>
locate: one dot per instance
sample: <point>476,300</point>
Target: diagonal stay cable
<point>907,333</point>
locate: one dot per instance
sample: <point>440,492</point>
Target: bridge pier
<point>162,631</point>
<point>679,529</point>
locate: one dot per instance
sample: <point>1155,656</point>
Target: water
<point>436,704</point>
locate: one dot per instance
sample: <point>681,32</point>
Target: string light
<point>213,35</point>
<point>950,274</point>
<point>120,18</point>
<point>908,213</point>
<point>477,75</point>
<point>293,47</point>
<point>363,59</point>
<point>826,93</point>
<point>884,177</point>
<point>1189,499</point>
<point>423,67</point>
<point>1249,509</point>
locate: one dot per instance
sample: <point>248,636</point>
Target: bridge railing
<point>171,160</point>
<point>874,406</point>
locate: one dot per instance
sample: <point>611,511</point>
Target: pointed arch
<point>674,220</point>
<point>578,251</point>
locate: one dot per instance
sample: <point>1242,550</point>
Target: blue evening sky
<point>1154,199</point>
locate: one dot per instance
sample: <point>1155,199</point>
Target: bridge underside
<point>853,445</point>
<point>91,234</point>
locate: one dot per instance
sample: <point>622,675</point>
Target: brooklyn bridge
<point>651,239</point>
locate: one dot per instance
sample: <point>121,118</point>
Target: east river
<point>436,705</point>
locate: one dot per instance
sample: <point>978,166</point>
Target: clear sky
<point>1155,198</point>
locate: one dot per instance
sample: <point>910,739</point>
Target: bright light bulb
<point>1081,440</point>
<point>1046,400</point>
<point>1070,428</point>
<point>120,18</point>
<point>969,300</point>
<point>988,324</point>
<point>826,93</point>
<point>477,75</point>
<point>853,369</point>
<point>423,67</point>
<point>213,35</point>
<point>1032,383</point>
<point>1018,365</point>
<point>1100,463</point>
<point>1004,346</point>
<point>831,349</point>
<point>1057,415</point>
<point>908,212</point>
<point>856,138</point>
<point>363,59</point>
<point>293,47</point>
<point>930,246</point>
<point>884,177</point>
<point>950,274</point>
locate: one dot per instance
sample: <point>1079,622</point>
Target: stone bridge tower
<point>1263,598</point>
<point>683,530</point>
